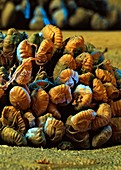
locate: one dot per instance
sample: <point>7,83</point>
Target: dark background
<point>66,14</point>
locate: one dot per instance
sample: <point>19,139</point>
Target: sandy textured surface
<point>13,158</point>
<point>20,158</point>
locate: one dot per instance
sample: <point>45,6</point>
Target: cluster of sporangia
<point>57,93</point>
